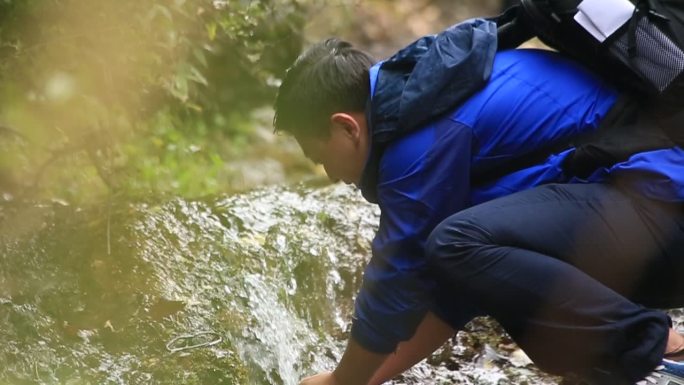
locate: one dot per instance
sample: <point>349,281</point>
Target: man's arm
<point>356,367</point>
<point>358,364</point>
<point>431,334</point>
<point>424,178</point>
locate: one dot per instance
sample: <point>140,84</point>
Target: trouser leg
<point>556,265</point>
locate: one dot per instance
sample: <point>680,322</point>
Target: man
<point>449,131</point>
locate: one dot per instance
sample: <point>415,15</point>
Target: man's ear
<point>348,123</point>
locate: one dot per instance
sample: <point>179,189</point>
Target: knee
<point>455,243</point>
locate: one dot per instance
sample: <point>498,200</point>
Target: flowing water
<point>93,296</point>
<point>262,283</point>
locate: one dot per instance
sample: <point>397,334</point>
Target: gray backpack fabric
<point>644,58</point>
<point>646,55</point>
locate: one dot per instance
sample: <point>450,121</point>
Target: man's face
<point>343,153</point>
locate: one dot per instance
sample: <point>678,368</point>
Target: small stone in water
<point>519,359</point>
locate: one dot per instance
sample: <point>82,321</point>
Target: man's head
<point>322,102</point>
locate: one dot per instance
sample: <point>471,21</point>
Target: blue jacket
<point>426,149</point>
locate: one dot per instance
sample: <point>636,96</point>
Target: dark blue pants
<point>572,272</point>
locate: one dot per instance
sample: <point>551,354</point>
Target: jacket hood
<point>430,77</point>
<point>424,81</point>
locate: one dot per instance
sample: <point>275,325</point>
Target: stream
<point>255,288</point>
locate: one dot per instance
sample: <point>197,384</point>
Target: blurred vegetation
<point>134,96</point>
<point>381,27</point>
<point>145,98</point>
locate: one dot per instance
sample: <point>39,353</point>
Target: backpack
<point>645,55</point>
<point>643,58</point>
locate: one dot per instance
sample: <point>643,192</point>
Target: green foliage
<point>89,86</point>
<point>184,163</point>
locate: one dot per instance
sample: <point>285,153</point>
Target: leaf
<point>164,11</point>
<point>200,56</point>
<point>194,106</point>
<point>211,31</point>
<point>179,88</point>
<point>196,76</point>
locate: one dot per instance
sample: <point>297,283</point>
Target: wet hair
<point>331,76</point>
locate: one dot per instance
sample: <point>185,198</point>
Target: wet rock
<point>272,272</point>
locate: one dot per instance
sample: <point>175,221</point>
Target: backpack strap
<point>512,30</point>
<point>627,129</point>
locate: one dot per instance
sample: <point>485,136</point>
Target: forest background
<point>155,98</point>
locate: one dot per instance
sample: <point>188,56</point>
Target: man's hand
<point>325,378</point>
<point>358,364</point>
<point>356,368</point>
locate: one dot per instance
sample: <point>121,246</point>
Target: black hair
<point>330,76</point>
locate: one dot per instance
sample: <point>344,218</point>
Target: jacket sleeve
<point>656,174</point>
<point>424,178</point>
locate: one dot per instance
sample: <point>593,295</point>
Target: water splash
<point>272,271</point>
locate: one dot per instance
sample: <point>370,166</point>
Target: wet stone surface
<point>108,294</point>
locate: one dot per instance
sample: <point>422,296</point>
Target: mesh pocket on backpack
<point>658,59</point>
